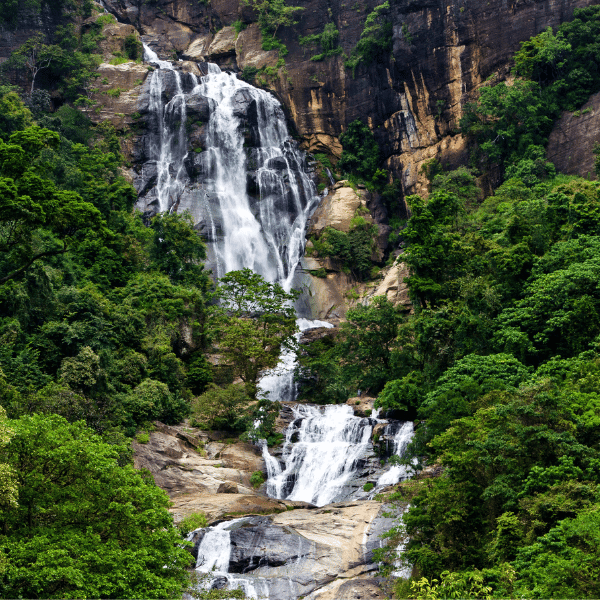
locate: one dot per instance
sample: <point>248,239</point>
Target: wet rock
<point>260,543</point>
<point>198,107</point>
<point>360,588</point>
<point>242,101</point>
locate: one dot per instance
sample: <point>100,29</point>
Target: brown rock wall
<point>572,141</point>
<point>442,52</point>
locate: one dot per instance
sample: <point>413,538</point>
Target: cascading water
<point>278,384</point>
<point>320,462</point>
<point>247,188</point>
<point>169,146</point>
<point>219,148</point>
<point>213,560</point>
<point>402,438</point>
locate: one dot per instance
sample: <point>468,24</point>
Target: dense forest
<point>108,322</point>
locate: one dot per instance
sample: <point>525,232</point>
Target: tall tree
<point>255,321</point>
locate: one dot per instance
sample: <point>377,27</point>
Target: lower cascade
<point>322,451</point>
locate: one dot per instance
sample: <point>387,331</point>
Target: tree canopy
<point>84,526</point>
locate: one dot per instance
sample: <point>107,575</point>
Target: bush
<point>192,522</point>
<point>134,49</point>
<point>221,408</point>
<point>143,437</point>
<point>257,479</point>
<point>368,486</point>
<point>361,153</point>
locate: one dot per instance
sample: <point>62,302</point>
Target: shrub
<point>368,486</point>
<point>360,156</point>
<point>134,49</point>
<point>221,408</point>
<point>143,437</point>
<point>191,522</point>
<point>257,479</point>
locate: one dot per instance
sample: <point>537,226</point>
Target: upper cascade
<point>219,148</point>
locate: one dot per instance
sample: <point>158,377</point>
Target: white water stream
<point>213,559</point>
<point>246,138</point>
<point>321,452</point>
<point>397,473</point>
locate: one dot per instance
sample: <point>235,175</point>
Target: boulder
<point>227,488</point>
<point>222,45</point>
<point>338,209</point>
<point>181,465</point>
<point>394,286</point>
<point>242,456</point>
<point>216,506</point>
<point>249,52</point>
<point>361,405</point>
<point>197,50</point>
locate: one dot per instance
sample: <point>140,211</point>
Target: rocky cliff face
<point>442,51</point>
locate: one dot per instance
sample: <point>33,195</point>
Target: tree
<point>370,343</point>
<point>29,203</point>
<point>84,527</point>
<point>34,56</point>
<point>255,322</point>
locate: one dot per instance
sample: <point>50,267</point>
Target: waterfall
<point>214,554</point>
<point>278,384</point>
<point>401,440</point>
<point>322,451</point>
<point>247,186</point>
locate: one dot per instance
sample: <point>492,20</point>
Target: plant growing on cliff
<point>375,40</point>
<point>273,14</point>
<point>326,42</point>
<point>360,156</point>
<point>33,56</point>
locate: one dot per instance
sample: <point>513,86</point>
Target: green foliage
<point>257,479</point>
<point>192,522</point>
<point>451,585</point>
<point>97,311</point>
<point>133,47</point>
<point>253,323</point>
<point>375,40</point>
<point>368,486</point>
<point>143,437</point>
<point>557,72</point>
<point>221,408</point>
<point>84,526</point>
<point>361,152</point>
<point>273,14</point>
<point>326,42</point>
<point>354,249</point>
<point>239,26</point>
<point>8,481</point>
